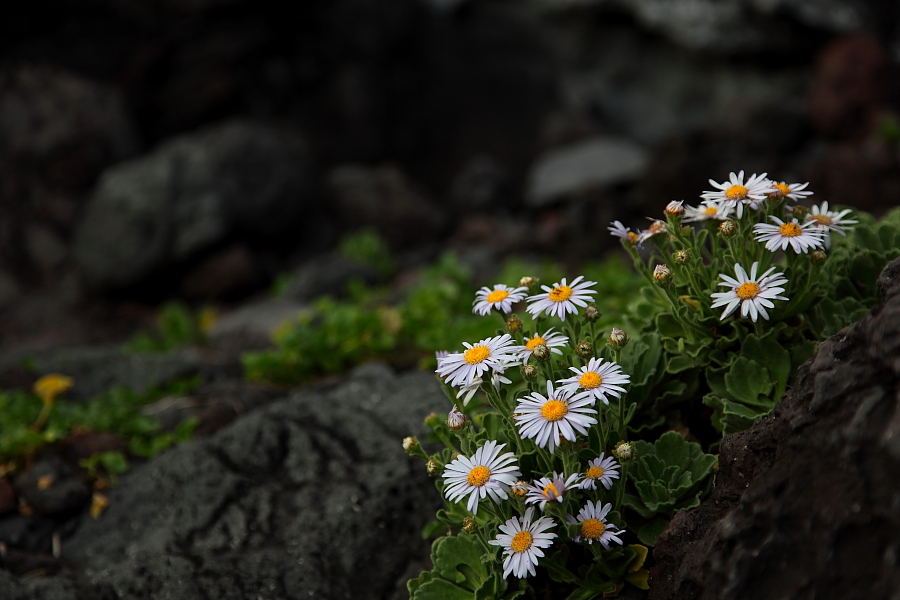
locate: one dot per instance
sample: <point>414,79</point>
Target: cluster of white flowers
<point>808,231</point>
<point>566,412</point>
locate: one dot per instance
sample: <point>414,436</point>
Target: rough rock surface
<point>311,496</point>
<point>805,504</point>
<point>191,193</point>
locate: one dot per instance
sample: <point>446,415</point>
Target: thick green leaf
<point>748,382</point>
<point>458,559</point>
<point>649,532</point>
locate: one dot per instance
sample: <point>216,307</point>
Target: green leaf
<point>649,532</point>
<point>431,528</point>
<point>747,381</point>
<point>436,588</point>
<point>771,355</point>
<point>458,559</point>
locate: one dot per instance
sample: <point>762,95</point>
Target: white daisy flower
<point>501,297</point>
<point>600,469</point>
<point>594,527</point>
<point>596,380</point>
<point>752,293</point>
<point>736,192</point>
<point>552,340</point>
<point>801,237</point>
<point>830,220</point>
<point>461,369</point>
<point>466,392</point>
<point>620,231</point>
<point>707,211</point>
<point>522,540</point>
<point>562,298</point>
<point>487,473</point>
<point>547,418</point>
<point>794,191</point>
<point>546,490</point>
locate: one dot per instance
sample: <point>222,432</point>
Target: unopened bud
<point>675,209</point>
<point>662,273</point>
<point>529,372</point>
<point>728,228</point>
<point>433,467</point>
<point>656,227</point>
<point>818,256</point>
<point>456,420</point>
<point>513,323</point>
<point>681,257</point>
<point>591,313</point>
<point>617,338</point>
<point>584,349</point>
<point>800,211</point>
<point>433,420</point>
<point>624,451</point>
<point>410,445</point>
<point>541,352</point>
<point>468,525</point>
<point>519,489</point>
<point>529,281</point>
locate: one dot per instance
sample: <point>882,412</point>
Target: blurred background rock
<point>152,149</point>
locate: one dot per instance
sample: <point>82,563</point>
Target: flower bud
<point>591,313</point>
<point>584,349</point>
<point>519,489</point>
<point>468,525</point>
<point>513,323</point>
<point>541,352</point>
<point>675,209</point>
<point>624,451</point>
<point>818,256</point>
<point>433,467</point>
<point>432,421</point>
<point>662,273</point>
<point>656,227</point>
<point>728,228</point>
<point>681,257</point>
<point>529,281</point>
<point>456,420</point>
<point>800,211</point>
<point>529,372</point>
<point>410,445</point>
<point>617,338</point>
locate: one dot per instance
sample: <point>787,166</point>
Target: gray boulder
<point>592,163</point>
<point>190,193</point>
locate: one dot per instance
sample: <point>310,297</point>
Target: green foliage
<point>117,410</point>
<point>460,572</point>
<point>433,313</point>
<point>367,247</point>
<point>112,464</point>
<point>176,326</point>
<point>668,475</point>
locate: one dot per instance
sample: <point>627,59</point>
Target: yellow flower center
<point>821,219</point>
<point>479,476</point>
<point>710,211</point>
<point>521,542</point>
<point>790,230</point>
<point>534,342</point>
<point>747,291</point>
<point>476,354</point>
<point>554,410</point>
<point>594,473</point>
<point>590,380</point>
<point>550,492</point>
<point>561,293</point>
<point>592,529</point>
<point>497,296</point>
<point>736,192</point>
<point>633,237</point>
<point>783,188</point>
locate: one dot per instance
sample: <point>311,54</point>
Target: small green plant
<point>117,410</point>
<point>368,248</point>
<point>176,326</point>
<point>568,437</point>
<point>109,464</point>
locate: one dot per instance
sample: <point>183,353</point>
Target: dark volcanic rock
<point>805,504</point>
<point>51,488</point>
<point>309,497</point>
<point>238,178</point>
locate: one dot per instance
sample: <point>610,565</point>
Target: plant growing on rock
<point>568,442</point>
